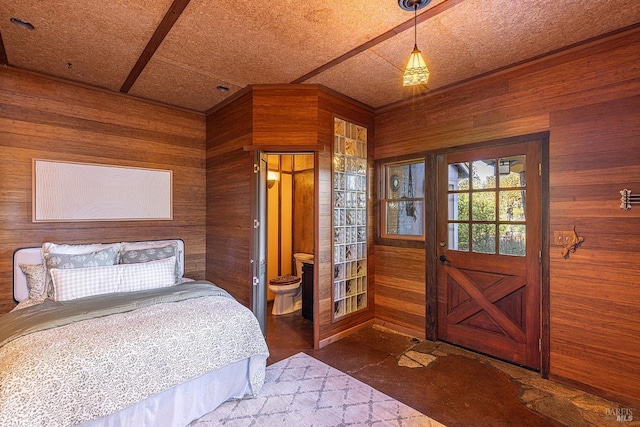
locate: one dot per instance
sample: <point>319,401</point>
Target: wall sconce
<point>504,167</point>
<point>272,177</point>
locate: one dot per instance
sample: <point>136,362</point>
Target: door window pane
<point>459,176</point>
<point>458,237</point>
<point>512,205</point>
<point>483,173</point>
<point>459,206</point>
<point>512,171</point>
<point>484,238</point>
<point>513,239</point>
<point>483,206</point>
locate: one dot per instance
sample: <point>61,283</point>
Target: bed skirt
<point>182,404</point>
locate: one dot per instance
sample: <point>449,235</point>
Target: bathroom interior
<point>290,234</point>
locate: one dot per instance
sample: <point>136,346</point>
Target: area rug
<point>301,391</point>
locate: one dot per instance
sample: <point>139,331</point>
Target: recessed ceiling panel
<point>180,85</point>
<point>276,41</point>
<point>379,82</point>
<point>487,35</point>
<point>96,42</point>
<point>238,43</point>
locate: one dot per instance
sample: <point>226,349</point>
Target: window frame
<point>497,222</point>
<point>383,199</point>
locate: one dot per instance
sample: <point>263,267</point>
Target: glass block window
<point>349,218</point>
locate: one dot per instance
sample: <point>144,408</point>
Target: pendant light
<point>416,72</point>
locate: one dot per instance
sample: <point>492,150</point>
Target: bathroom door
<point>259,258</point>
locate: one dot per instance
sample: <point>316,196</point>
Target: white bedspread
<point>89,369</point>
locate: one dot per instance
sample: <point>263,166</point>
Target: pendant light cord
<point>415,26</point>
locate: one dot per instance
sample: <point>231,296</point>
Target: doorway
<point>489,246</point>
<point>289,234</point>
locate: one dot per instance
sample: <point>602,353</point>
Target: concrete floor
<point>451,385</point>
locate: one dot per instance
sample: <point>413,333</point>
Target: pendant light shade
<point>416,72</point>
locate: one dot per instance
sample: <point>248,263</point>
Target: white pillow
<point>76,283</point>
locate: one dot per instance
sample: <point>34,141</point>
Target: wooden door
<point>489,242</point>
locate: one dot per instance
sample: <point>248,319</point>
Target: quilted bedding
<point>94,366</point>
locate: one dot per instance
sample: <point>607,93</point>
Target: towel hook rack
<point>628,199</point>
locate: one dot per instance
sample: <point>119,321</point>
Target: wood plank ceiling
<point>177,52</point>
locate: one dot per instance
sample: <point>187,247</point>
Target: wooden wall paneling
<point>282,118</point>
<point>397,287</point>
<point>587,99</point>
<point>586,344</point>
<point>285,115</point>
<point>400,297</point>
<point>229,198</point>
<point>286,220</point>
<point>323,271</point>
<point>303,213</point>
<point>46,118</point>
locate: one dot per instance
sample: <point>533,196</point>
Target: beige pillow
<point>36,280</point>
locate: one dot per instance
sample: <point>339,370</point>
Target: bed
<point>112,335</point>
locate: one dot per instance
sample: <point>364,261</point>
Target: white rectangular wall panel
<point>64,191</point>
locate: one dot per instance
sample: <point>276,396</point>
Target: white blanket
<point>89,369</point>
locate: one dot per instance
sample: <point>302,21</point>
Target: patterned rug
<point>301,391</point>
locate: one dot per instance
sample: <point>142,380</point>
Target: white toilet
<point>287,290</point>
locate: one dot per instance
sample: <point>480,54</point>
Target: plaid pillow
<point>155,244</point>
<point>135,256</point>
<point>108,256</point>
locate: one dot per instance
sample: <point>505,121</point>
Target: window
<point>402,207</point>
<point>487,200</point>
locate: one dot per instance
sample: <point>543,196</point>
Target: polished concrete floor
<point>451,385</point>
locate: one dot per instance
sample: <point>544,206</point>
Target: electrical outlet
<point>558,238</point>
<point>567,237</point>
<point>562,238</point>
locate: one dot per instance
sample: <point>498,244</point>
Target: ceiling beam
<point>170,18</point>
<point>3,53</point>
<point>428,14</point>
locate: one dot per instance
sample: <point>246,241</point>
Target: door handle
<point>443,259</point>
